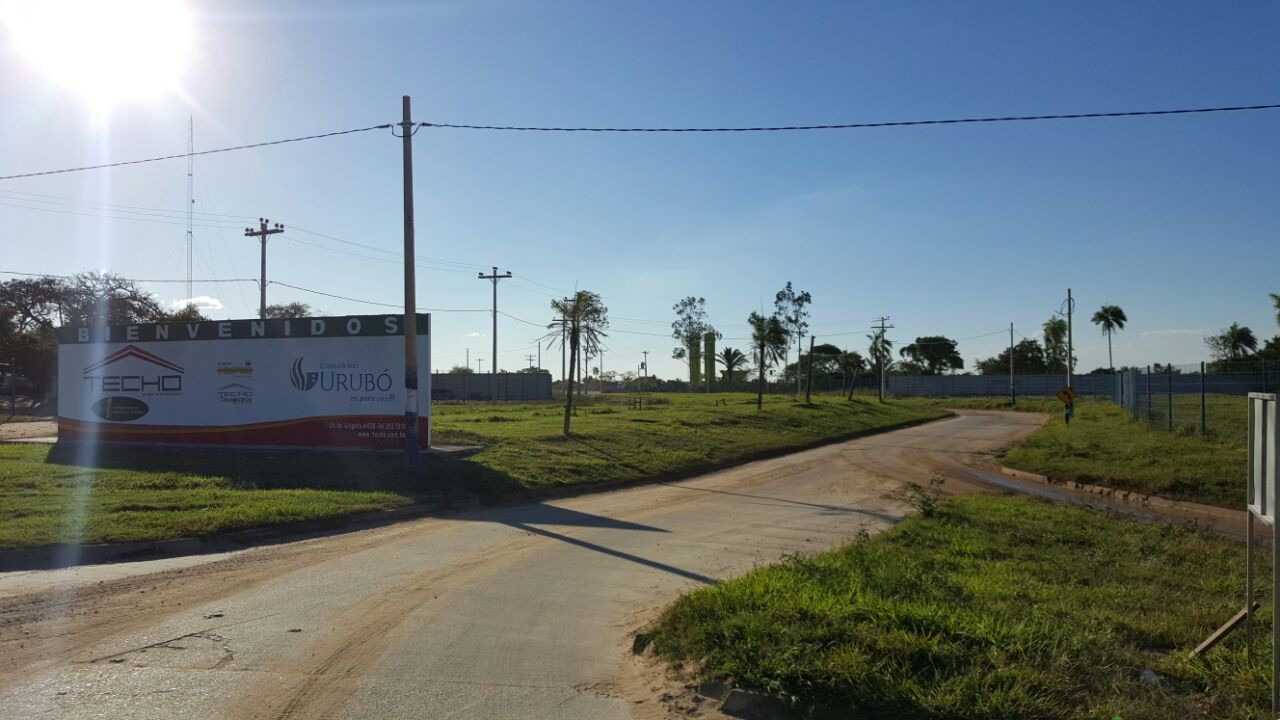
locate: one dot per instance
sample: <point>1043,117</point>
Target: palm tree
<point>732,359</point>
<point>770,340</point>
<point>1275,300</point>
<point>881,350</point>
<point>1055,341</point>
<point>1110,318</point>
<point>1238,340</point>
<point>585,318</point>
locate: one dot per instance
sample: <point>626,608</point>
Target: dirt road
<point>518,612</point>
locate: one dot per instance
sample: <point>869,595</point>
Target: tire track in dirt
<point>315,683</point>
<point>51,627</point>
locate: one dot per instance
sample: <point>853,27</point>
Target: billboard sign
<point>334,382</point>
<point>1264,436</point>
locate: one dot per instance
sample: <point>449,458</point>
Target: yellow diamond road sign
<point>1067,395</point>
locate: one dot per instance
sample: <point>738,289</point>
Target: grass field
<point>1104,446</point>
<point>997,607</point>
<point>675,433</point>
<point>134,494</point>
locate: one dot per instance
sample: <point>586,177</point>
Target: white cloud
<point>1177,332</point>
<point>473,335</point>
<point>202,302</point>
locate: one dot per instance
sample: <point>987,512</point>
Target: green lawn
<point>136,494</point>
<point>995,607</point>
<point>1104,446</point>
<point>43,502</point>
<point>675,433</point>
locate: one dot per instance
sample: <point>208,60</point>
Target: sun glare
<point>105,51</point>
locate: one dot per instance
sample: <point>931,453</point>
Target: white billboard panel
<point>1264,437</point>
<point>319,382</point>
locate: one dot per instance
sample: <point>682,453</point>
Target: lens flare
<point>106,52</point>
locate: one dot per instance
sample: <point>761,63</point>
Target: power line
<point>202,152</point>
<point>535,282</point>
<point>145,217</point>
<point>113,206</point>
<point>371,302</point>
<point>959,340</point>
<point>136,280</point>
<point>526,322</point>
<point>423,258</point>
<point>852,126</point>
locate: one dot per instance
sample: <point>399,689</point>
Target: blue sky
<point>948,230</point>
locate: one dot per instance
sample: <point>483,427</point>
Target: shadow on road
<point>533,519</point>
<point>798,503</point>
<point>881,446</point>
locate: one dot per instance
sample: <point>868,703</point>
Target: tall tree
<point>732,359</point>
<point>824,358</point>
<point>188,313</point>
<point>34,302</point>
<point>1275,301</point>
<point>688,330</point>
<point>290,310</point>
<point>1111,319</point>
<point>107,299</point>
<point>1233,343</point>
<point>585,318</point>
<point>1028,358</point>
<point>881,350</point>
<point>791,307</point>
<point>1055,344</point>
<point>935,354</point>
<point>770,341</point>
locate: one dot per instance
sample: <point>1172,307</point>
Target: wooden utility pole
<point>808,382</point>
<point>191,197</point>
<point>262,233</point>
<point>1013,392</point>
<point>411,440</point>
<point>1071,306</point>
<point>880,352</point>
<point>493,364</point>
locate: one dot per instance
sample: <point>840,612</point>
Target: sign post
<point>1068,397</point>
<point>1264,437</point>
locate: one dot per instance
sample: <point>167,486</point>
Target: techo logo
<point>144,382</point>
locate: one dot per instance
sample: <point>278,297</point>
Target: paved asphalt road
<point>516,612</point>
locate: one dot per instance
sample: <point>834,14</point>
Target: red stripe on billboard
<point>342,431</point>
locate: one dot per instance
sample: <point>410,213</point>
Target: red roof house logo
<point>133,351</point>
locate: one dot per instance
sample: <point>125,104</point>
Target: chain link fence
<point>1201,398</point>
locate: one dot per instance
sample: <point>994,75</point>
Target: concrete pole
<point>1013,393</point>
<point>493,363</point>
<point>808,383</point>
<point>262,233</point>
<point>411,440</point>
<point>1202,424</point>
